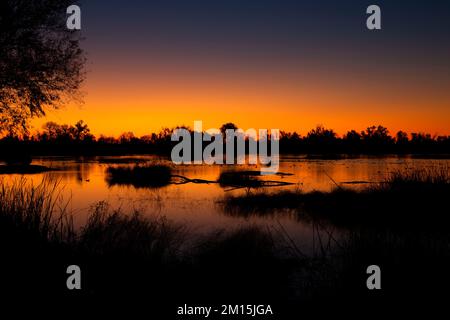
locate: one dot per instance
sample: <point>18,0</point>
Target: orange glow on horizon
<point>145,101</point>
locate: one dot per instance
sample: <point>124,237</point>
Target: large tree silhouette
<point>41,62</point>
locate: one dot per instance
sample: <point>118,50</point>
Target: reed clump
<point>145,176</point>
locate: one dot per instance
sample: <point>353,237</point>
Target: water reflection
<point>86,183</point>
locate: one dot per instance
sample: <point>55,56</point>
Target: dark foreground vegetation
<point>401,224</point>
<point>414,198</point>
<point>147,261</point>
<point>144,262</point>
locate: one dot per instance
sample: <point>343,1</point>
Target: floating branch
<point>248,179</point>
<point>177,179</point>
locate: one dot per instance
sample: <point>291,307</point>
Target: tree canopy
<point>41,62</point>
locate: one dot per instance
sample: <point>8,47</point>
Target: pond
<point>197,205</point>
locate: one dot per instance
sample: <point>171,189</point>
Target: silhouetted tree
<point>376,134</point>
<point>418,138</point>
<point>353,137</point>
<point>227,126</point>
<point>13,121</point>
<point>104,140</point>
<point>377,139</point>
<point>127,137</point>
<point>41,63</point>
<point>82,131</point>
<point>53,132</point>
<point>290,142</point>
<point>223,129</point>
<point>321,139</point>
<point>320,133</point>
<point>401,137</point>
<point>352,141</point>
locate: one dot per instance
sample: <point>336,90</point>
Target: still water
<point>196,205</point>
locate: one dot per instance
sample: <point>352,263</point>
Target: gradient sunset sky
<point>263,64</point>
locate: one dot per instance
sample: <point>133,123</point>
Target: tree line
<point>56,138</point>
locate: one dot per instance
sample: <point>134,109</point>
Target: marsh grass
<point>427,179</point>
<point>408,198</point>
<point>248,179</point>
<point>130,255</point>
<point>38,240</point>
<point>111,232</point>
<point>36,210</point>
<point>261,203</point>
<point>137,256</point>
<point>400,224</point>
<point>146,176</point>
<point>240,179</point>
<point>40,212</point>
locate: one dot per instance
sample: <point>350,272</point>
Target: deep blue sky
<point>245,26</point>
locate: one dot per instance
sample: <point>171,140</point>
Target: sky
<point>289,65</point>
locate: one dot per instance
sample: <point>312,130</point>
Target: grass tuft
<point>149,176</point>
